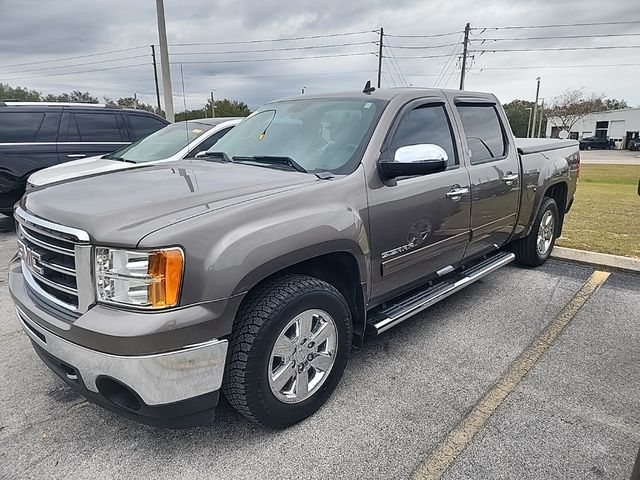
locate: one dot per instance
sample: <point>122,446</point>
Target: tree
<point>131,102</point>
<point>19,93</point>
<point>614,104</point>
<point>228,108</point>
<point>75,96</point>
<point>571,106</point>
<point>519,116</point>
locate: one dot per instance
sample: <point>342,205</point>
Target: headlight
<point>149,279</point>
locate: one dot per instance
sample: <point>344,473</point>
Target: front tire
<point>289,347</point>
<point>535,248</point>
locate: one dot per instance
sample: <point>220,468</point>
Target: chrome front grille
<point>56,261</point>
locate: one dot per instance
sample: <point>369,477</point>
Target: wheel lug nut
<point>301,368</point>
<point>310,357</point>
<point>311,345</point>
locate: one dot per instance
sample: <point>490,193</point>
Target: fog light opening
<point>117,393</point>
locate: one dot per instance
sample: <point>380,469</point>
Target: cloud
<point>33,31</point>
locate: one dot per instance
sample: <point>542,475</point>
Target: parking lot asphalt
<point>575,415</point>
<point>610,157</point>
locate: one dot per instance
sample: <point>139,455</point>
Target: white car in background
<point>173,142</point>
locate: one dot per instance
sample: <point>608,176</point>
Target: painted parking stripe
<point>446,453</point>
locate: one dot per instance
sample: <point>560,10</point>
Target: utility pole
<point>541,115</point>
<point>380,57</point>
<point>535,108</point>
<point>164,63</point>
<point>155,76</point>
<point>135,100</point>
<point>213,106</point>
<point>464,56</point>
<point>529,123</point>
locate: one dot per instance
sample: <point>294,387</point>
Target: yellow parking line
<point>445,454</point>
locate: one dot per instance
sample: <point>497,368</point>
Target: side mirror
<point>412,160</point>
<point>201,154</point>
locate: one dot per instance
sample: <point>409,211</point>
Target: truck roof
<point>386,94</point>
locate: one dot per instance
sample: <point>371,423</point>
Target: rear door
<point>494,168</point>
<point>418,228</point>
<point>27,144</point>
<point>89,132</point>
<point>140,125</point>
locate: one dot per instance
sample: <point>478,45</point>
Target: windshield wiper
<point>110,157</point>
<point>275,160</point>
<point>221,155</point>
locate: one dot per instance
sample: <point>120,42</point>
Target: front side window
<point>94,127</point>
<point>209,142</point>
<point>161,144</point>
<point>426,124</point>
<point>483,131</point>
<point>320,135</point>
<point>19,127</point>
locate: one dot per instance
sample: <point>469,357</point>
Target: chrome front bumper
<point>157,379</point>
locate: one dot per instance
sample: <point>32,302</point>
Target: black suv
<point>596,142</point>
<point>36,135</point>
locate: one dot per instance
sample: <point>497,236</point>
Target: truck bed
<point>536,145</point>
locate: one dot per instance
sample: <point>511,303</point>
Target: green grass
<point>605,216</point>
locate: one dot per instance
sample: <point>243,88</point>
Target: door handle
<point>456,193</point>
<point>509,178</point>
<point>76,155</point>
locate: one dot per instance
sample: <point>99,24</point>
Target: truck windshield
<point>319,135</point>
<point>161,144</point>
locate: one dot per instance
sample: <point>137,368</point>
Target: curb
<point>604,260</point>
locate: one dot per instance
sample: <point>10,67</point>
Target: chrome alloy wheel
<point>302,356</point>
<point>546,232</point>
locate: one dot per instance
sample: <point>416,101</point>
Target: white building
<point>619,125</point>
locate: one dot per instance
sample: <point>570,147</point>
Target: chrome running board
<point>383,319</point>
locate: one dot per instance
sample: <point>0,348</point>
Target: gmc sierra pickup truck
<point>316,221</point>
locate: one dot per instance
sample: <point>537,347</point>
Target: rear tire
<point>535,248</point>
<point>280,389</point>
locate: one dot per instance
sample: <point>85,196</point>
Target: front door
<point>419,230</point>
<point>494,168</point>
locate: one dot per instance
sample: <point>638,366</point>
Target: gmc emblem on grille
<point>30,258</point>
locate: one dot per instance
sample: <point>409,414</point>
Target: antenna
<point>368,88</point>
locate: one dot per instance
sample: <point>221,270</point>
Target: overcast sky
<point>35,31</point>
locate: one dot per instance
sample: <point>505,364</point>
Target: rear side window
<point>94,127</point>
<point>143,125</point>
<point>426,124</point>
<point>483,131</point>
<point>20,127</point>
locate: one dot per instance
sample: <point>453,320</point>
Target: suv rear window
<point>484,133</point>
<point>143,125</point>
<point>94,127</point>
<point>20,127</point>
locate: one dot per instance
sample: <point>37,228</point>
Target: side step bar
<point>391,316</point>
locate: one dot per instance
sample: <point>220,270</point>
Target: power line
<point>76,64</point>
<point>323,74</point>
<point>422,47</point>
<point>517,27</point>
<point>76,57</point>
<point>262,50</point>
<point>450,59</point>
<point>561,66</point>
<point>336,55</point>
<point>424,56</point>
<point>553,49</point>
<point>397,65</point>
<point>424,36</point>
<point>308,37</point>
<point>78,72</point>
<point>553,37</point>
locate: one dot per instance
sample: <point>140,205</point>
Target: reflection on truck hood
<point>119,208</point>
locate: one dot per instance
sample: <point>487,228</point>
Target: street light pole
<point>541,115</point>
<point>213,106</point>
<point>164,63</point>
<point>535,108</point>
<point>529,122</point>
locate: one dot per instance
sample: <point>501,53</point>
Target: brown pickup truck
<point>253,271</point>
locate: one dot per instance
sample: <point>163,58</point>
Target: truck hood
<point>76,168</point>
<point>119,208</point>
